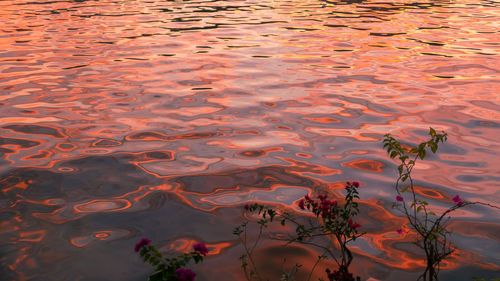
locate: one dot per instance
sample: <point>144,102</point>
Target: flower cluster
<point>322,207</point>
<point>329,209</point>
<point>353,225</point>
<point>200,248</point>
<point>184,274</point>
<point>458,200</point>
<point>170,268</point>
<point>142,243</point>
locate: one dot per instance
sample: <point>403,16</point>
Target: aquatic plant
<point>333,228</point>
<point>170,269</point>
<point>433,236</point>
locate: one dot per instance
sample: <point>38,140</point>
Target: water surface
<point>161,119</point>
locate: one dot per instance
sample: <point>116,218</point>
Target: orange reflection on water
<point>98,236</point>
<point>365,165</point>
<point>102,206</point>
<point>183,245</point>
<point>32,236</point>
<point>301,167</point>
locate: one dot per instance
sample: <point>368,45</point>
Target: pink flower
<point>184,274</point>
<point>457,199</point>
<point>350,185</point>
<point>142,243</point>
<point>246,207</point>
<point>315,205</point>
<point>301,204</point>
<point>399,198</point>
<point>201,248</point>
<point>400,231</point>
<point>354,226</point>
<point>322,197</point>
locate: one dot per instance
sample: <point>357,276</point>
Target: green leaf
<point>394,154</point>
<point>421,154</point>
<point>405,188</point>
<point>420,208</point>
<point>157,276</point>
<point>404,177</point>
<point>432,132</point>
<point>433,146</point>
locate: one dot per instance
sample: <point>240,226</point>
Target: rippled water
<point>160,119</point>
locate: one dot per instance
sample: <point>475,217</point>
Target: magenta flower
<point>301,204</point>
<point>400,231</point>
<point>322,197</point>
<point>142,243</point>
<point>353,225</point>
<point>184,274</point>
<point>356,184</point>
<point>246,207</point>
<point>200,248</point>
<point>457,199</point>
<point>399,198</point>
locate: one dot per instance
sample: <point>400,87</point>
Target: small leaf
<point>433,146</point>
<point>432,132</point>
<point>393,154</point>
<point>157,276</point>
<point>420,208</point>
<point>421,154</point>
<point>404,177</point>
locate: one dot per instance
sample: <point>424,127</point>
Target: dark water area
<point>161,119</point>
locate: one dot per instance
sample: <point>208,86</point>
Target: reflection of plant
<point>433,237</point>
<point>334,224</point>
<point>170,269</point>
